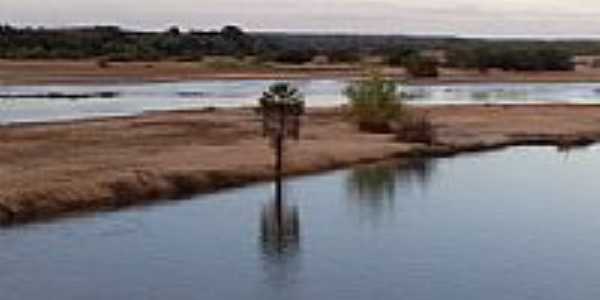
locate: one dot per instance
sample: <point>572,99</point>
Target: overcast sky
<point>464,17</point>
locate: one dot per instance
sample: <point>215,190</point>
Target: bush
<point>420,66</point>
<point>415,128</point>
<point>513,58</point>
<point>374,103</point>
<point>103,63</point>
<point>295,57</point>
<point>343,56</point>
<point>398,57</point>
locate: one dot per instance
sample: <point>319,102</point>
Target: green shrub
<point>374,103</point>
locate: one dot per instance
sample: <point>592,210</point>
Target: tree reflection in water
<point>280,242</point>
<point>376,187</point>
<point>280,228</point>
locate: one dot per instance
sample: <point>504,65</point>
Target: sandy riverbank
<point>52,169</point>
<point>89,72</point>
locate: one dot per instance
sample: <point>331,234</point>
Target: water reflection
<point>471,236</point>
<point>280,229</point>
<point>481,96</point>
<point>375,188</point>
<point>568,148</point>
<point>280,242</point>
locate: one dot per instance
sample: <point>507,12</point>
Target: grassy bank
<point>48,170</point>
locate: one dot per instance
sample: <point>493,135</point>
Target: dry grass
<point>90,71</point>
<point>81,72</point>
<point>47,170</point>
<point>415,128</point>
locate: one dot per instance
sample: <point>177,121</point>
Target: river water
<point>516,224</point>
<point>27,104</point>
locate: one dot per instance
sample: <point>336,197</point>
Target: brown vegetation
<point>50,169</point>
<point>103,71</point>
<point>82,71</point>
<point>415,128</point>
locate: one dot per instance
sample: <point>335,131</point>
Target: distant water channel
<point>65,102</point>
<point>516,224</point>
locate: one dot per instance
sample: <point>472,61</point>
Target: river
<point>47,103</point>
<point>515,224</point>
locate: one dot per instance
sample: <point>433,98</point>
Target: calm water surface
<point>134,99</point>
<point>516,224</point>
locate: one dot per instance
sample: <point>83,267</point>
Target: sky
<point>552,18</point>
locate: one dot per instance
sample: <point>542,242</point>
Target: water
<point>134,99</point>
<point>516,224</point>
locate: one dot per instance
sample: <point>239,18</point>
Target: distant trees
<point>293,56</point>
<point>343,56</point>
<point>398,57</point>
<point>174,30</point>
<point>416,64</point>
<point>114,43</point>
<point>512,58</point>
<point>421,66</point>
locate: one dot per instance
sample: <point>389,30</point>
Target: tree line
<point>512,58</point>
<point>116,44</point>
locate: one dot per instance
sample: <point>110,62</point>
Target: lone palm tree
<point>281,107</point>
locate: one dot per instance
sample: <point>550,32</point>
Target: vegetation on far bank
<point>421,55</point>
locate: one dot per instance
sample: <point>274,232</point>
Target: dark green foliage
<point>281,107</point>
<point>284,96</point>
<point>118,45</point>
<point>343,56</point>
<point>296,57</point>
<point>174,30</point>
<point>398,57</point>
<point>541,58</point>
<point>421,66</point>
<point>121,45</point>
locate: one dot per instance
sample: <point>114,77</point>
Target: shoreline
<point>73,72</point>
<point>53,170</point>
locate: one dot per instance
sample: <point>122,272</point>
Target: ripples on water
<point>516,224</point>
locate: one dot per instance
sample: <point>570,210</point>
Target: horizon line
<point>451,35</point>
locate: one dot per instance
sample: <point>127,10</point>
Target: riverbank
<point>48,170</point>
<point>39,72</point>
